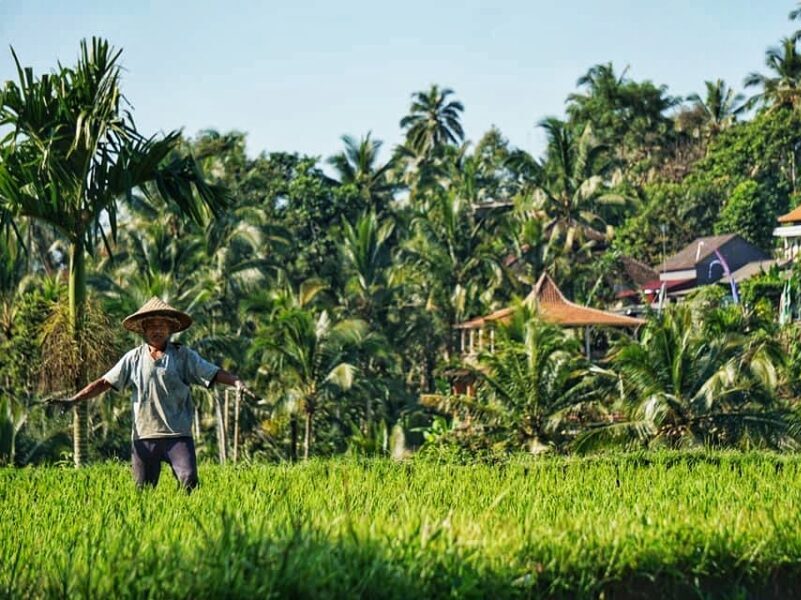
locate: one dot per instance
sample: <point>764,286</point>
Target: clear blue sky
<point>297,75</point>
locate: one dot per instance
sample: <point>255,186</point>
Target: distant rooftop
<point>553,307</point>
<point>794,216</point>
<point>695,251</point>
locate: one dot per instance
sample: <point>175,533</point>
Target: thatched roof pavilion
<point>553,307</point>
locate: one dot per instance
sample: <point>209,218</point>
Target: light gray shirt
<point>162,403</point>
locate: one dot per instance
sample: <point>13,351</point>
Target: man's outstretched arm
<point>227,378</point>
<point>97,387</point>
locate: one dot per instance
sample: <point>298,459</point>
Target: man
<point>160,374</point>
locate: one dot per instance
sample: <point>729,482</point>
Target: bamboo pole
<point>220,427</point>
<point>237,403</point>
<point>227,420</point>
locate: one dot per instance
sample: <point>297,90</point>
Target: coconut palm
<point>367,258</point>
<point>685,383</point>
<point>537,378</point>
<point>783,86</point>
<point>602,85</point>
<point>307,350</point>
<point>569,189</point>
<point>627,115</point>
<point>71,153</point>
<point>456,260</point>
<point>433,121</point>
<point>720,107</point>
<point>358,165</point>
<point>795,14</point>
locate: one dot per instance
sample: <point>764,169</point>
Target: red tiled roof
<point>553,307</point>
<point>794,216</point>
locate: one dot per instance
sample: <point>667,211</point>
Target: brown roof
<point>638,271</point>
<point>553,307</point>
<point>794,216</point>
<point>694,252</point>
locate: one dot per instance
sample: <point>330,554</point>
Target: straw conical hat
<point>155,307</point>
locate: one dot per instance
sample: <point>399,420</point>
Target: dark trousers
<point>179,453</point>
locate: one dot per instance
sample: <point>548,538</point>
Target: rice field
<point>618,526</point>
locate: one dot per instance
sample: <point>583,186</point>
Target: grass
<point>682,525</point>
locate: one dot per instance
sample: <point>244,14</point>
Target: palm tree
<point>448,270</point>
<point>627,115</point>
<point>71,153</point>
<point>720,107</point>
<point>783,88</point>
<point>456,259</point>
<point>365,248</point>
<point>433,121</point>
<point>688,382</point>
<point>795,15</point>
<point>307,351</point>
<point>537,377</point>
<point>152,257</point>
<point>601,83</point>
<point>358,165</point>
<point>569,189</point>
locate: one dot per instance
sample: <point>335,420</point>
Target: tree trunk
<point>431,362</point>
<point>293,439</point>
<point>307,439</point>
<point>77,299</point>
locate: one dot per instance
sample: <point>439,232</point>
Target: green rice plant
<point>692,524</point>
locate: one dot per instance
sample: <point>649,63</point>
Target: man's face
<point>156,331</point>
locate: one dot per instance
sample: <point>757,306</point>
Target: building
<point>552,307</point>
<point>703,261</point>
<point>547,300</point>
<point>789,231</point>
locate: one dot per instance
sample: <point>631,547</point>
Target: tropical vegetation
<point>333,285</point>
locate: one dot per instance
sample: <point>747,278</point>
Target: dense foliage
<point>333,285</point>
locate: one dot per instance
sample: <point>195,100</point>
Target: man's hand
<point>59,401</point>
<point>61,404</point>
<point>240,386</point>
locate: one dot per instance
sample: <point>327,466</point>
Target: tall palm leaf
<point>72,152</point>
<point>538,377</point>
<point>365,248</point>
<point>783,86</point>
<point>309,353</point>
<point>690,383</point>
<point>433,120</point>
<point>720,106</point>
<point>570,188</point>
<point>358,165</point>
